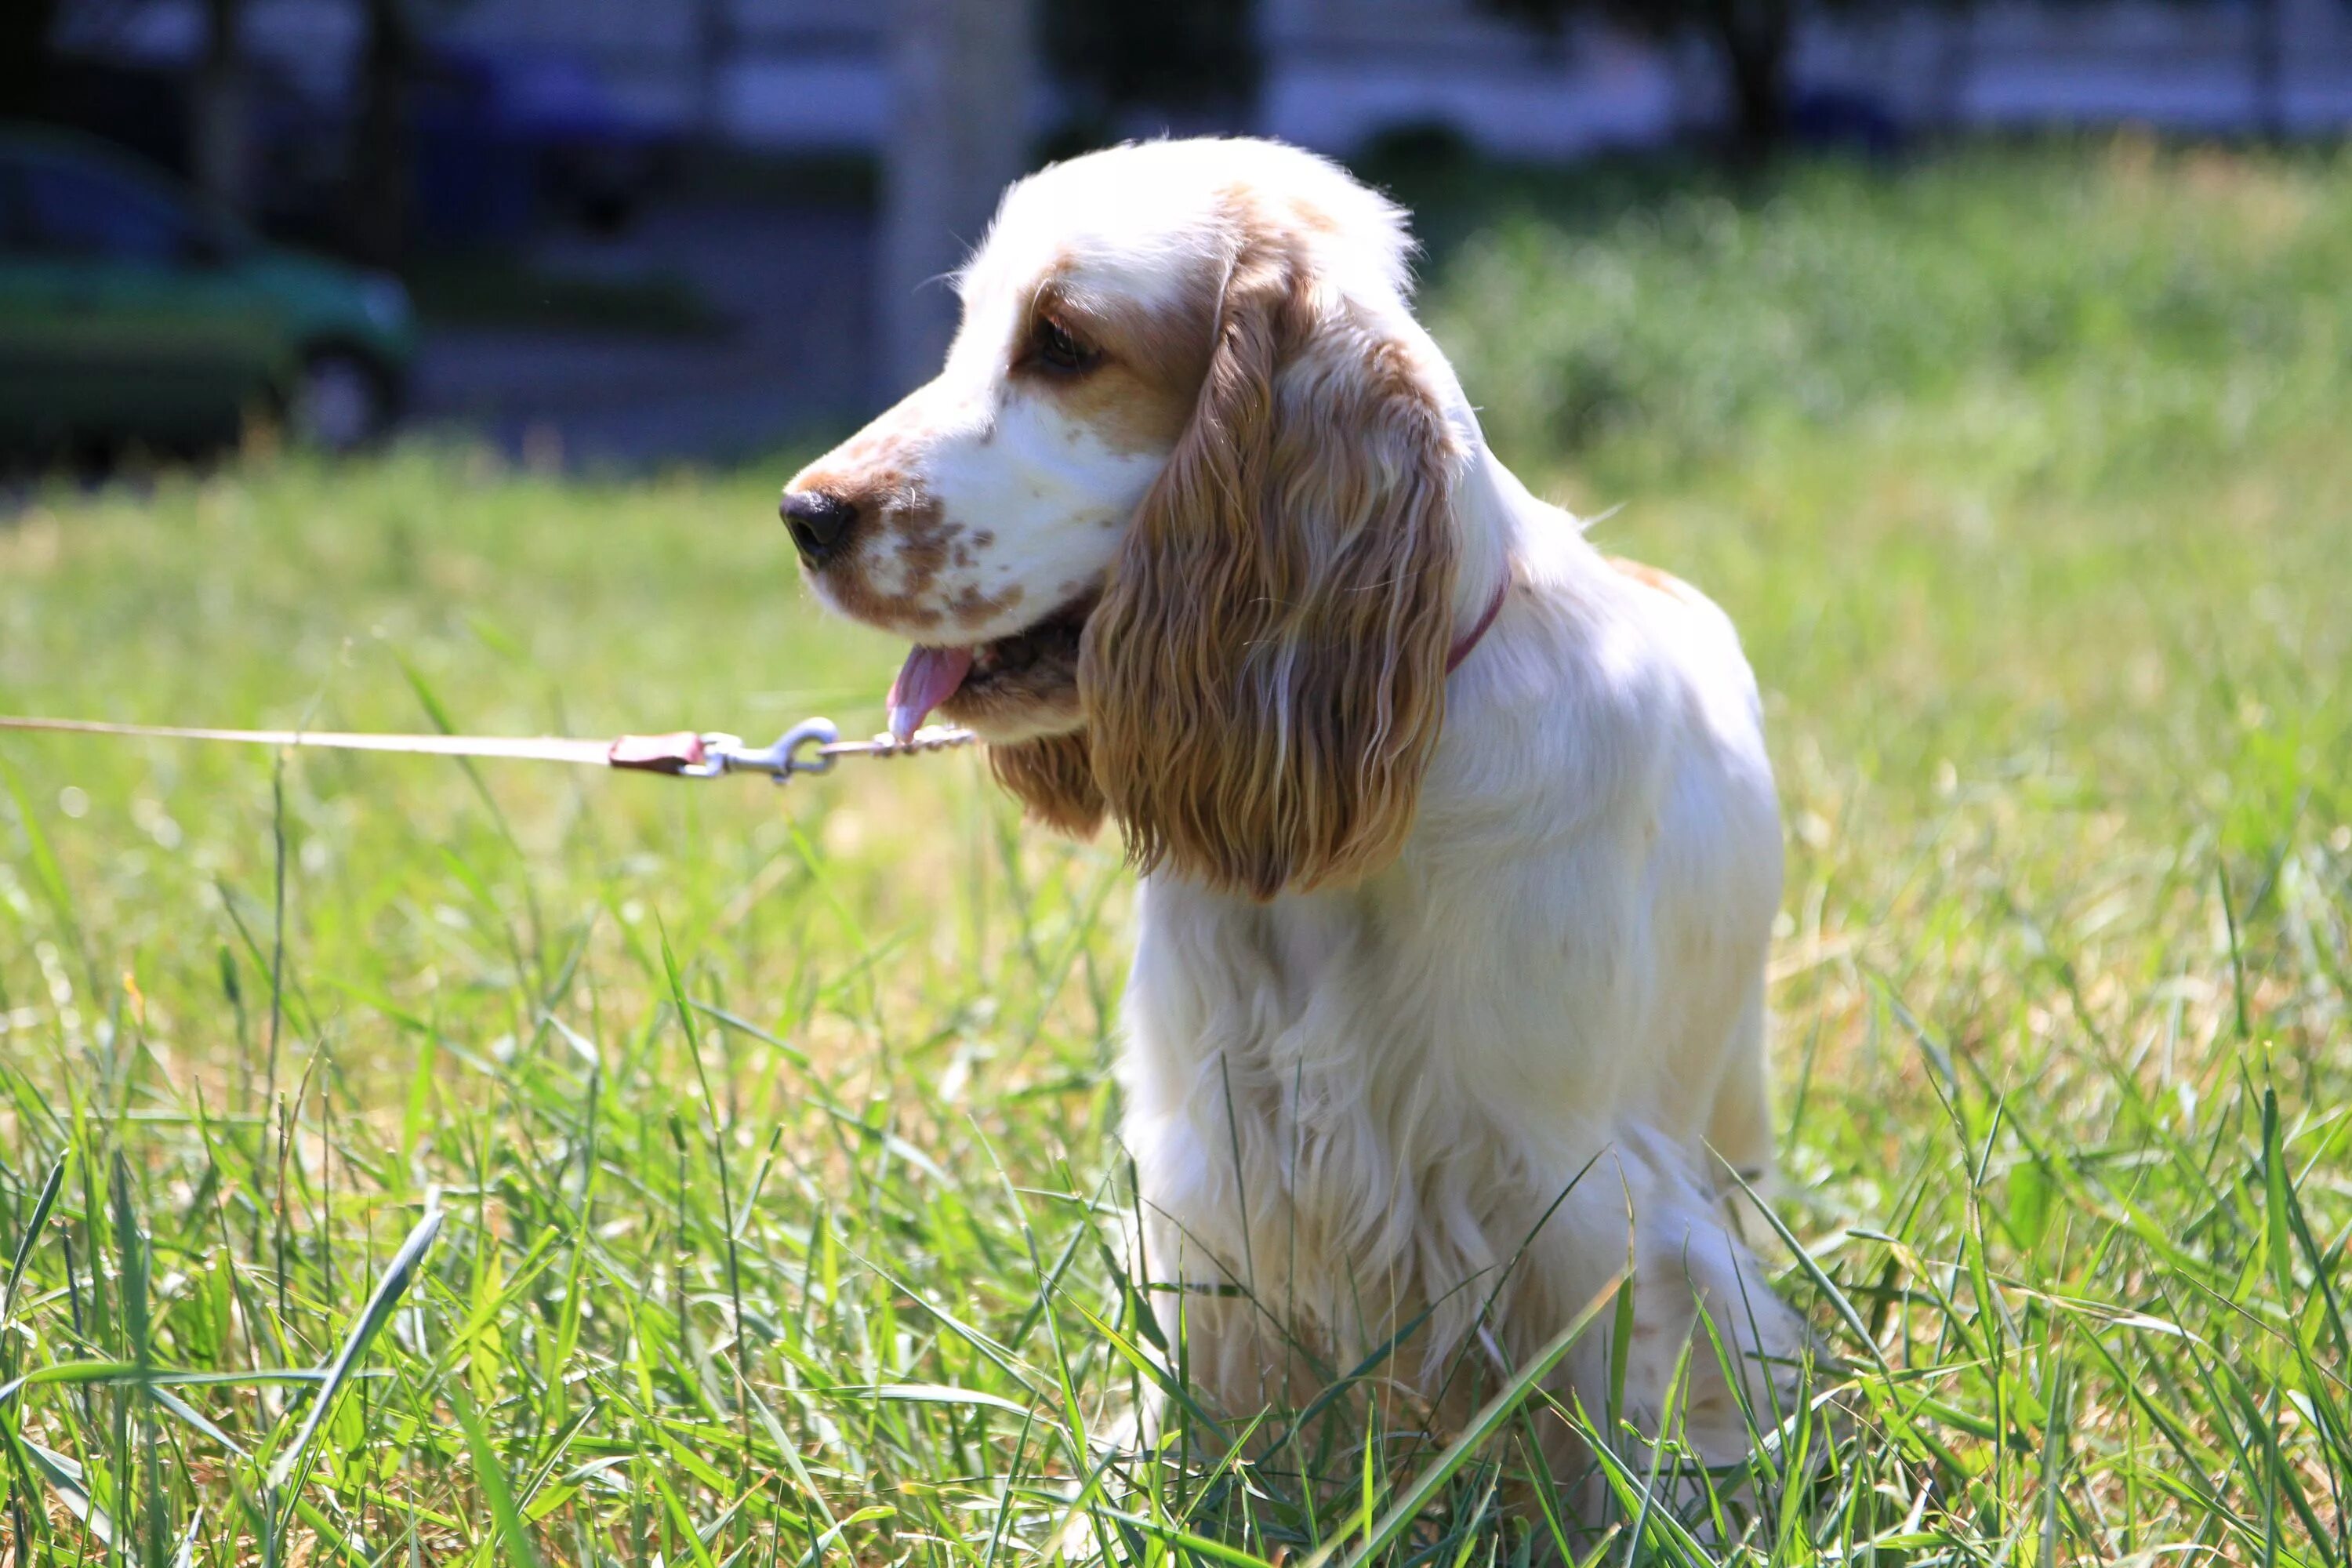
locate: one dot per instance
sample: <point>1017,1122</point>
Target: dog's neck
<point>1489,502</point>
<point>1489,509</point>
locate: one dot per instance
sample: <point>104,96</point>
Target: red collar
<point>1468,643</point>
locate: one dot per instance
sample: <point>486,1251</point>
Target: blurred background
<point>630,231</point>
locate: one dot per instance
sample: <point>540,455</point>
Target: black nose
<point>820,523</point>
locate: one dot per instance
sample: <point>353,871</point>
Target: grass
<point>405,1163</point>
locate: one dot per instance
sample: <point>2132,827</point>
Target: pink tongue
<point>928,678</point>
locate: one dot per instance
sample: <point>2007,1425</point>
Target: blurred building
<point>815,75</point>
<point>1339,71</point>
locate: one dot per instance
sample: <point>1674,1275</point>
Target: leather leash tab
<point>671,753</point>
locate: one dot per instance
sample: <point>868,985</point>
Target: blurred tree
<point>1176,57</point>
<point>715,46</point>
<point>1752,40</point>
<point>963,78</point>
<point>24,56</point>
<point>218,109</point>
<point>2267,44</point>
<point>378,194</point>
<point>1749,38</point>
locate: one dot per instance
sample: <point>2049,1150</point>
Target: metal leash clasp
<point>812,746</point>
<point>799,750</point>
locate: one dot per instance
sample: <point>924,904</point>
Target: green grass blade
<point>64,1477</point>
<point>32,1235</point>
<point>185,1557</point>
<point>1490,1419</point>
<point>381,1304</point>
<point>490,1475</point>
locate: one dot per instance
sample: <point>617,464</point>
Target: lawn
<point>765,1146</point>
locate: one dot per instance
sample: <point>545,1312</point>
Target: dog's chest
<point>1401,1000</point>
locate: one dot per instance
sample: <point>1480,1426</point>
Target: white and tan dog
<point>1459,840</point>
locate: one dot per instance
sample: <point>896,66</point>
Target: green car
<point>129,309</point>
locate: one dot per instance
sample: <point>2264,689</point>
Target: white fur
<point>1360,1104</point>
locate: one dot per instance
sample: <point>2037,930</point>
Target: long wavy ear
<point>1054,779</point>
<point>1265,678</point>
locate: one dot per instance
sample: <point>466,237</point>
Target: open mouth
<point>1036,666</point>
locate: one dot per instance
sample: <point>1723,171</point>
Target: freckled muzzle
<point>877,547</point>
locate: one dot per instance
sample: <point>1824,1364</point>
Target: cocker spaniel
<point>1459,843</point>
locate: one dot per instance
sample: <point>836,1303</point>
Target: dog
<point>1459,843</point>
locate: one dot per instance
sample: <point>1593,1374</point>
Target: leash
<point>812,746</point>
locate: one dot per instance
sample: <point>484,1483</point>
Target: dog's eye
<point>1057,350</point>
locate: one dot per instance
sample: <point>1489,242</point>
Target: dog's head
<point>1172,529</point>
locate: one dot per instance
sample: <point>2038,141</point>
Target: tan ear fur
<point>1055,781</point>
<point>1265,678</point>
